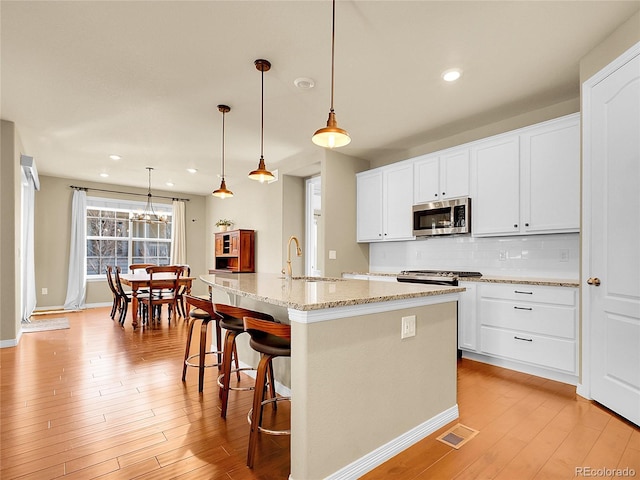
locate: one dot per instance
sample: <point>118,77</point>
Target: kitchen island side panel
<point>357,385</point>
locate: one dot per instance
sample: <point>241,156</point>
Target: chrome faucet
<point>298,253</point>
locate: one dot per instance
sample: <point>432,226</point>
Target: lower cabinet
<point>468,318</point>
<point>534,325</point>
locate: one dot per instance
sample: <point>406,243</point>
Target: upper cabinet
<point>528,181</point>
<point>384,201</point>
<point>522,182</point>
<point>441,176</point>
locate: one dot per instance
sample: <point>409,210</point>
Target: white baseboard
<point>522,367</point>
<point>383,453</point>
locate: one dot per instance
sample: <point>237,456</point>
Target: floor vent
<point>457,436</point>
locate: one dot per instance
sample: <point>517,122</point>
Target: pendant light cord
<point>223,113</point>
<point>262,114</point>
<point>333,41</point>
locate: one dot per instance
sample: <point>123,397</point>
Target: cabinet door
<point>550,159</point>
<point>234,239</point>
<point>467,318</point>
<point>398,202</point>
<point>369,206</point>
<point>495,208</point>
<point>219,244</point>
<point>426,179</point>
<point>454,174</point>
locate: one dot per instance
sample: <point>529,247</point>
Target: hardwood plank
<point>99,401</point>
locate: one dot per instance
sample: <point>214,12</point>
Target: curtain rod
<point>128,193</point>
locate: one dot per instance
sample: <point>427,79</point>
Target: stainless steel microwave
<point>447,217</point>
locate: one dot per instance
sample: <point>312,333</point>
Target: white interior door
<point>611,237</point>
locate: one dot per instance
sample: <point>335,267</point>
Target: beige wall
<point>623,38</point>
<point>338,221</point>
<point>476,130</point>
<point>386,385</point>
<point>52,236</point>
<point>10,234</point>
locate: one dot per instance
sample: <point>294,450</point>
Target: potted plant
<point>223,224</point>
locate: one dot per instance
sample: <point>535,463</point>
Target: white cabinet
<point>468,318</point>
<point>550,159</point>
<point>441,176</point>
<point>384,201</point>
<point>495,204</point>
<point>534,325</point>
<point>528,181</point>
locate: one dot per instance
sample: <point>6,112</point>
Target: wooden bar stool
<point>231,320</point>
<point>271,340</point>
<point>205,312</point>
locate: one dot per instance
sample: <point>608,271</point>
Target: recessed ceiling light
<point>169,184</point>
<point>304,83</point>
<point>451,75</point>
<point>115,157</point>
<point>191,170</point>
<point>104,175</point>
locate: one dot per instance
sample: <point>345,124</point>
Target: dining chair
<point>163,289</point>
<point>126,297</point>
<point>116,295</point>
<point>186,272</point>
<point>134,267</point>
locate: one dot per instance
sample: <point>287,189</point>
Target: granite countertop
<point>549,282</point>
<point>315,293</point>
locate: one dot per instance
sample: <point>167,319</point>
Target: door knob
<point>594,281</point>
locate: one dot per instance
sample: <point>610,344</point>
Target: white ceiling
<point>85,79</point>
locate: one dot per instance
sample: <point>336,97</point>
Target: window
<point>114,239</point>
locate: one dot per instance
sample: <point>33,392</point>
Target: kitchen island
<point>360,393</point>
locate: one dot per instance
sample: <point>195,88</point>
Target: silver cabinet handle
<point>523,308</point>
<point>524,339</point>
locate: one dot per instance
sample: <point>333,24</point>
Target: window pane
<point>108,228</point>
<point>122,228</point>
<point>93,226</point>
<point>93,266</point>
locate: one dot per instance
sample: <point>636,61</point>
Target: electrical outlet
<point>502,255</point>
<point>332,254</point>
<point>45,291</point>
<point>408,327</point>
<point>564,255</point>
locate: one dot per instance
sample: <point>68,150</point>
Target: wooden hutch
<point>235,251</point>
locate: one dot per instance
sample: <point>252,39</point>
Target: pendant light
<point>223,192</point>
<point>332,136</point>
<point>149,215</point>
<point>261,174</point>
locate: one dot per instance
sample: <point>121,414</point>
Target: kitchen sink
<point>315,279</point>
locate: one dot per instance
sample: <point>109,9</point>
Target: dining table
<point>141,280</point>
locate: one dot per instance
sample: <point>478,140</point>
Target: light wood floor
<point>97,401</point>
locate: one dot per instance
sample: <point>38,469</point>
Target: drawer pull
<point>524,339</point>
<point>524,293</point>
<point>523,308</point>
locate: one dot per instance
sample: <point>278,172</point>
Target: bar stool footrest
<point>236,370</point>
<point>266,430</point>
<point>188,363</point>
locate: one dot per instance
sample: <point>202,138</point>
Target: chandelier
<point>149,215</point>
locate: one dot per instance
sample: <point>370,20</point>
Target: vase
<point>223,228</point>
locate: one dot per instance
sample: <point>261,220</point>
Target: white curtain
<point>28,263</point>
<point>178,234</point>
<point>77,281</point>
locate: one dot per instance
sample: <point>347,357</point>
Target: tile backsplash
<point>552,256</point>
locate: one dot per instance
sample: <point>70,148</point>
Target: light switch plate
<point>332,254</point>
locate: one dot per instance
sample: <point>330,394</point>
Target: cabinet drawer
<point>529,293</point>
<point>525,347</point>
<point>528,317</point>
